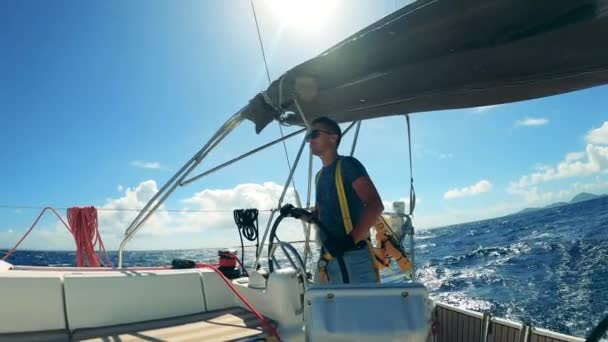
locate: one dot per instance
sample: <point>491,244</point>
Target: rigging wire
<point>412,190</point>
<point>257,26</point>
<point>17,207</point>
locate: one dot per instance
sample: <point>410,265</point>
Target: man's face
<point>321,140</point>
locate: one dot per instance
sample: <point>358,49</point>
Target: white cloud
<point>476,189</point>
<point>112,219</point>
<point>261,196</point>
<point>599,185</point>
<point>598,135</point>
<point>205,220</point>
<point>593,160</point>
<point>532,122</point>
<point>534,196</point>
<point>117,214</point>
<point>485,108</point>
<point>120,188</point>
<point>45,237</point>
<point>145,164</point>
<point>541,167</point>
<point>574,156</point>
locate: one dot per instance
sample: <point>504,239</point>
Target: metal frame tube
<point>186,173</point>
<point>309,192</point>
<point>195,158</point>
<point>306,123</point>
<point>291,172</point>
<point>258,252</point>
<point>307,251</point>
<point>174,182</point>
<point>348,128</point>
<point>413,254</point>
<point>242,156</point>
<point>352,150</point>
<point>293,169</point>
<point>305,226</point>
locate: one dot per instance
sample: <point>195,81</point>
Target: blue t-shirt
<point>327,201</point>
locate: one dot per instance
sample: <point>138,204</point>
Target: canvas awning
<point>440,54</point>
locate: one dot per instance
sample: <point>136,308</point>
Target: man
<point>345,250</point>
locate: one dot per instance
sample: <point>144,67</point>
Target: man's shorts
<point>359,267</point>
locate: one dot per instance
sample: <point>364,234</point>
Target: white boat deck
<point>234,324</point>
<point>195,305</point>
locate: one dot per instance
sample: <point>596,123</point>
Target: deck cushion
<point>110,298</point>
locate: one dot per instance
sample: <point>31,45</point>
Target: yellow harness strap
<point>385,251</point>
<point>348,223</point>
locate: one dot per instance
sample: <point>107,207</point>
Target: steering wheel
<point>298,264</point>
<point>286,211</point>
<point>599,332</point>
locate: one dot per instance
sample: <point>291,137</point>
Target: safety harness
<point>387,246</point>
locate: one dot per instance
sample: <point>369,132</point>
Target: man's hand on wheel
<point>299,213</point>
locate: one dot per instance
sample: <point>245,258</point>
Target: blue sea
<point>548,268</point>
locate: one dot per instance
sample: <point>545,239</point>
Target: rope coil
<point>85,229</point>
<point>247,224</point>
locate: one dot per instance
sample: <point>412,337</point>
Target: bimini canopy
<point>445,54</point>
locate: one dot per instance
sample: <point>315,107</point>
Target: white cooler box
<point>387,312</point>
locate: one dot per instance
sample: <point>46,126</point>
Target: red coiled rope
<point>85,230</point>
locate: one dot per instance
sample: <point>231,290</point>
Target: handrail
<point>177,179</point>
<point>487,321</point>
<point>242,156</point>
<point>281,198</point>
<point>32,227</point>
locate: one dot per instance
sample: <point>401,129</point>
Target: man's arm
<point>373,207</point>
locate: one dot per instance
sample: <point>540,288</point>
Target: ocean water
<point>548,268</point>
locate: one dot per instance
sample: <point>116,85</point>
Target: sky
<point>101,102</point>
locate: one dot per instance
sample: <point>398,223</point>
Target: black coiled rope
<point>247,223</point>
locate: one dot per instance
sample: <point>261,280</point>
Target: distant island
<point>583,196</point>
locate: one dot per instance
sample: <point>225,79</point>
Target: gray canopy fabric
<point>446,54</point>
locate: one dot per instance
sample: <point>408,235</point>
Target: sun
<point>310,15</point>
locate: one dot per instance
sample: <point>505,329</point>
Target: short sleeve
<point>352,169</point>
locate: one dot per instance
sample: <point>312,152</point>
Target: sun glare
<point>307,15</point>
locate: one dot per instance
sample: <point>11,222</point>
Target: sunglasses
<point>315,133</point>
